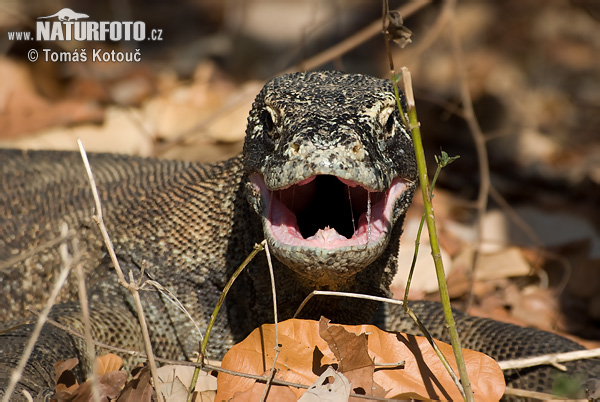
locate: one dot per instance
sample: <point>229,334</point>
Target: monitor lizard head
<point>331,169</point>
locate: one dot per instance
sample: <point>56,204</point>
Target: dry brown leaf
<point>138,389</point>
<point>304,355</point>
<point>352,354</point>
<point>110,380</point>
<point>26,112</point>
<point>120,132</point>
<point>277,393</point>
<point>109,387</point>
<point>506,263</point>
<point>109,362</point>
<point>66,383</point>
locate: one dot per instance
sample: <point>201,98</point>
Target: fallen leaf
<point>508,262</point>
<point>109,387</point>
<point>424,278</point>
<point>139,388</point>
<point>305,355</point>
<point>120,132</point>
<point>331,386</point>
<point>110,380</point>
<point>352,354</point>
<point>109,362</point>
<point>23,110</point>
<point>276,393</point>
<point>66,382</point>
<point>174,382</point>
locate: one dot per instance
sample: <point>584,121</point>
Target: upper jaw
<point>327,228</point>
<point>331,150</point>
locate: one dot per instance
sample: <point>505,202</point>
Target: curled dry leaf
<point>66,382</point>
<point>110,380</point>
<point>139,388</point>
<point>305,355</point>
<point>109,387</point>
<point>331,386</point>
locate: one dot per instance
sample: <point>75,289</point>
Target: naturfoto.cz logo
<point>68,25</point>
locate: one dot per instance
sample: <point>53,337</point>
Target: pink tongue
<point>327,236</point>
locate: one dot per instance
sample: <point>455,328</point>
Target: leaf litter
<point>356,352</point>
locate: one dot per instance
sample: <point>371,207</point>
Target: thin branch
<point>18,371</point>
<point>238,271</point>
<point>435,347</point>
<point>96,343</point>
<point>98,218</point>
<point>85,312</point>
<point>344,294</point>
<point>478,139</point>
<point>551,359</point>
<point>434,32</point>
<point>273,289</point>
<point>369,32</point>
<point>442,162</point>
<point>213,317</point>
<point>171,297</point>
<point>512,215</point>
<point>523,393</point>
<point>38,249</point>
<point>277,345</point>
<point>238,99</point>
<point>131,286</point>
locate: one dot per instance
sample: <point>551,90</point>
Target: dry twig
<point>85,312</point>
<point>277,345</point>
<point>18,371</point>
<point>523,393</point>
<point>551,358</point>
<point>478,139</point>
<point>132,286</point>
<point>344,294</point>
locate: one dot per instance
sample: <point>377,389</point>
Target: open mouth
<point>328,212</point>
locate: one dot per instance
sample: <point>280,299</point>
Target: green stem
<point>418,239</point>
<point>433,239</point>
<point>257,248</point>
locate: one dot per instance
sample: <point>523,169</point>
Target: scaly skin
<point>325,150</point>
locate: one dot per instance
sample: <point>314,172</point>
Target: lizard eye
<point>267,120</point>
<point>389,125</point>
<point>270,119</point>
<point>388,121</point>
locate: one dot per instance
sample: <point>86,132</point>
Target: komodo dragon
<point>326,176</point>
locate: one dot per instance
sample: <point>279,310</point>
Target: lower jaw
<point>327,268</point>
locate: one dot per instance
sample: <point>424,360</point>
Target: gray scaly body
<point>326,176</point>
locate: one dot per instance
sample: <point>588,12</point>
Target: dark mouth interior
<point>327,202</point>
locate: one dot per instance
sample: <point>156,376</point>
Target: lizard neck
<point>292,288</point>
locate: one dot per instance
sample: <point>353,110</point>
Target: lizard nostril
<point>358,151</point>
<point>295,147</point>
